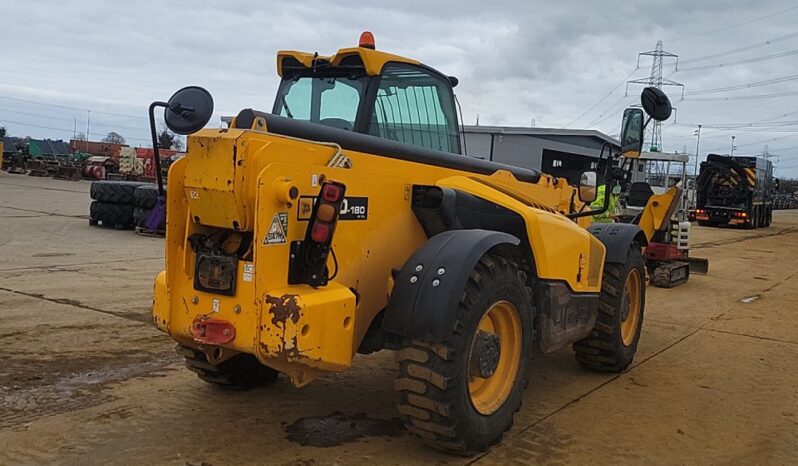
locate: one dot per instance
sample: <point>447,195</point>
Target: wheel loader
<point>347,220</point>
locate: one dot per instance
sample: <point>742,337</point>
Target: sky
<point>548,64</point>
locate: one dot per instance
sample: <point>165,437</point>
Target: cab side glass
<point>632,132</point>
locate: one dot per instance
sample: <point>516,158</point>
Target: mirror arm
<point>156,152</point>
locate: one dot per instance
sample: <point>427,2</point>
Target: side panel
<point>562,249</point>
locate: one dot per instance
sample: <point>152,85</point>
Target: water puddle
<point>339,428</point>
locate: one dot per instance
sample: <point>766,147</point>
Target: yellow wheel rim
<point>631,305</point>
<point>488,394</point>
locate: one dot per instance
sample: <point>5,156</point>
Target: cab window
<point>330,101</point>
<point>415,106</point>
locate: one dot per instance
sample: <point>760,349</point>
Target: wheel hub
<point>485,354</point>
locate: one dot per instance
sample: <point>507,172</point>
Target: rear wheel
<point>460,394</point>
<point>241,372</point>
<point>612,344</point>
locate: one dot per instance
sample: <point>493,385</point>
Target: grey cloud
<point>517,61</point>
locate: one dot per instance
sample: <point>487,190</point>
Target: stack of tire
<point>113,204</point>
<point>145,198</point>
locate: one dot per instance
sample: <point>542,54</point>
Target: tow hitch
<point>212,331</point>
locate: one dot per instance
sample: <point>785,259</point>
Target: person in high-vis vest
<point>611,212</point>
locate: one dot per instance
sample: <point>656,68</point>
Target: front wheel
<point>612,344</point>
<point>460,394</point>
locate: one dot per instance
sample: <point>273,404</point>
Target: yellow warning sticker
<point>278,230</point>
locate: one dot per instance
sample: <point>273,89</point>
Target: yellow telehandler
<point>347,220</point>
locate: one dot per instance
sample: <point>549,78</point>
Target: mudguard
<point>427,289</point>
<point>617,237</point>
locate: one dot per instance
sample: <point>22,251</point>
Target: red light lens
<point>320,233</point>
<point>331,193</point>
<point>367,40</point>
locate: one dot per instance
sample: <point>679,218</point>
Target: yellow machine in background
<point>347,221</point>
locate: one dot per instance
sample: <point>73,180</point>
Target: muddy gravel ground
<point>85,379</point>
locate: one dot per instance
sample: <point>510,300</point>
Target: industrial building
<point>560,152</point>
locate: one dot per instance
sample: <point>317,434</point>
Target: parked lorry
<point>345,221</point>
<point>734,190</point>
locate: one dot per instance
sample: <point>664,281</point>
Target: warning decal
<point>277,230</point>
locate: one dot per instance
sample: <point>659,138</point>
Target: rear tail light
<point>326,213</point>
<point>320,233</point>
<point>310,256</point>
<point>332,192</point>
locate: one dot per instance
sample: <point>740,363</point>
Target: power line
<point>744,61</point>
<point>740,97</point>
<point>746,85</point>
<point>733,26</point>
<point>65,130</point>
<point>609,112</point>
<point>609,93</point>
<point>742,49</point>
<point>123,115</point>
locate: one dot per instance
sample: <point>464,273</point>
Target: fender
<point>427,289</point>
<point>617,237</point>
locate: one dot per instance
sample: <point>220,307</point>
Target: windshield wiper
<point>285,106</point>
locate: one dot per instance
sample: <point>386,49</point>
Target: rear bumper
<point>298,330</point>
<point>723,216</point>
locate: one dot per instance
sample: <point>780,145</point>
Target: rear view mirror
<point>189,110</point>
<point>656,103</point>
<point>632,133</point>
<point>587,187</point>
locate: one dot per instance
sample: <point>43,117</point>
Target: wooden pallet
<point>153,233</point>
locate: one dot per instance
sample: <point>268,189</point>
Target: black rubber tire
<point>120,192</point>
<point>140,216</point>
<point>146,196</point>
<point>603,350</point>
<point>112,215</point>
<point>241,372</point>
<point>434,400</point>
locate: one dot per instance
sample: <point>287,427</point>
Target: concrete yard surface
<point>86,379</point>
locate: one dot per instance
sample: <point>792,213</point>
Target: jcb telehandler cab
<point>346,221</point>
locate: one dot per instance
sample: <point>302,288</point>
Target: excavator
<point>667,253</point>
<point>347,221</point>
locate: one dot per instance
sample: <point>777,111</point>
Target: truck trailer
<point>734,190</point>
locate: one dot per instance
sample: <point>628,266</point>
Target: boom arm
<point>658,211</point>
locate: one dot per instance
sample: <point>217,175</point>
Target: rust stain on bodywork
<point>283,309</point>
